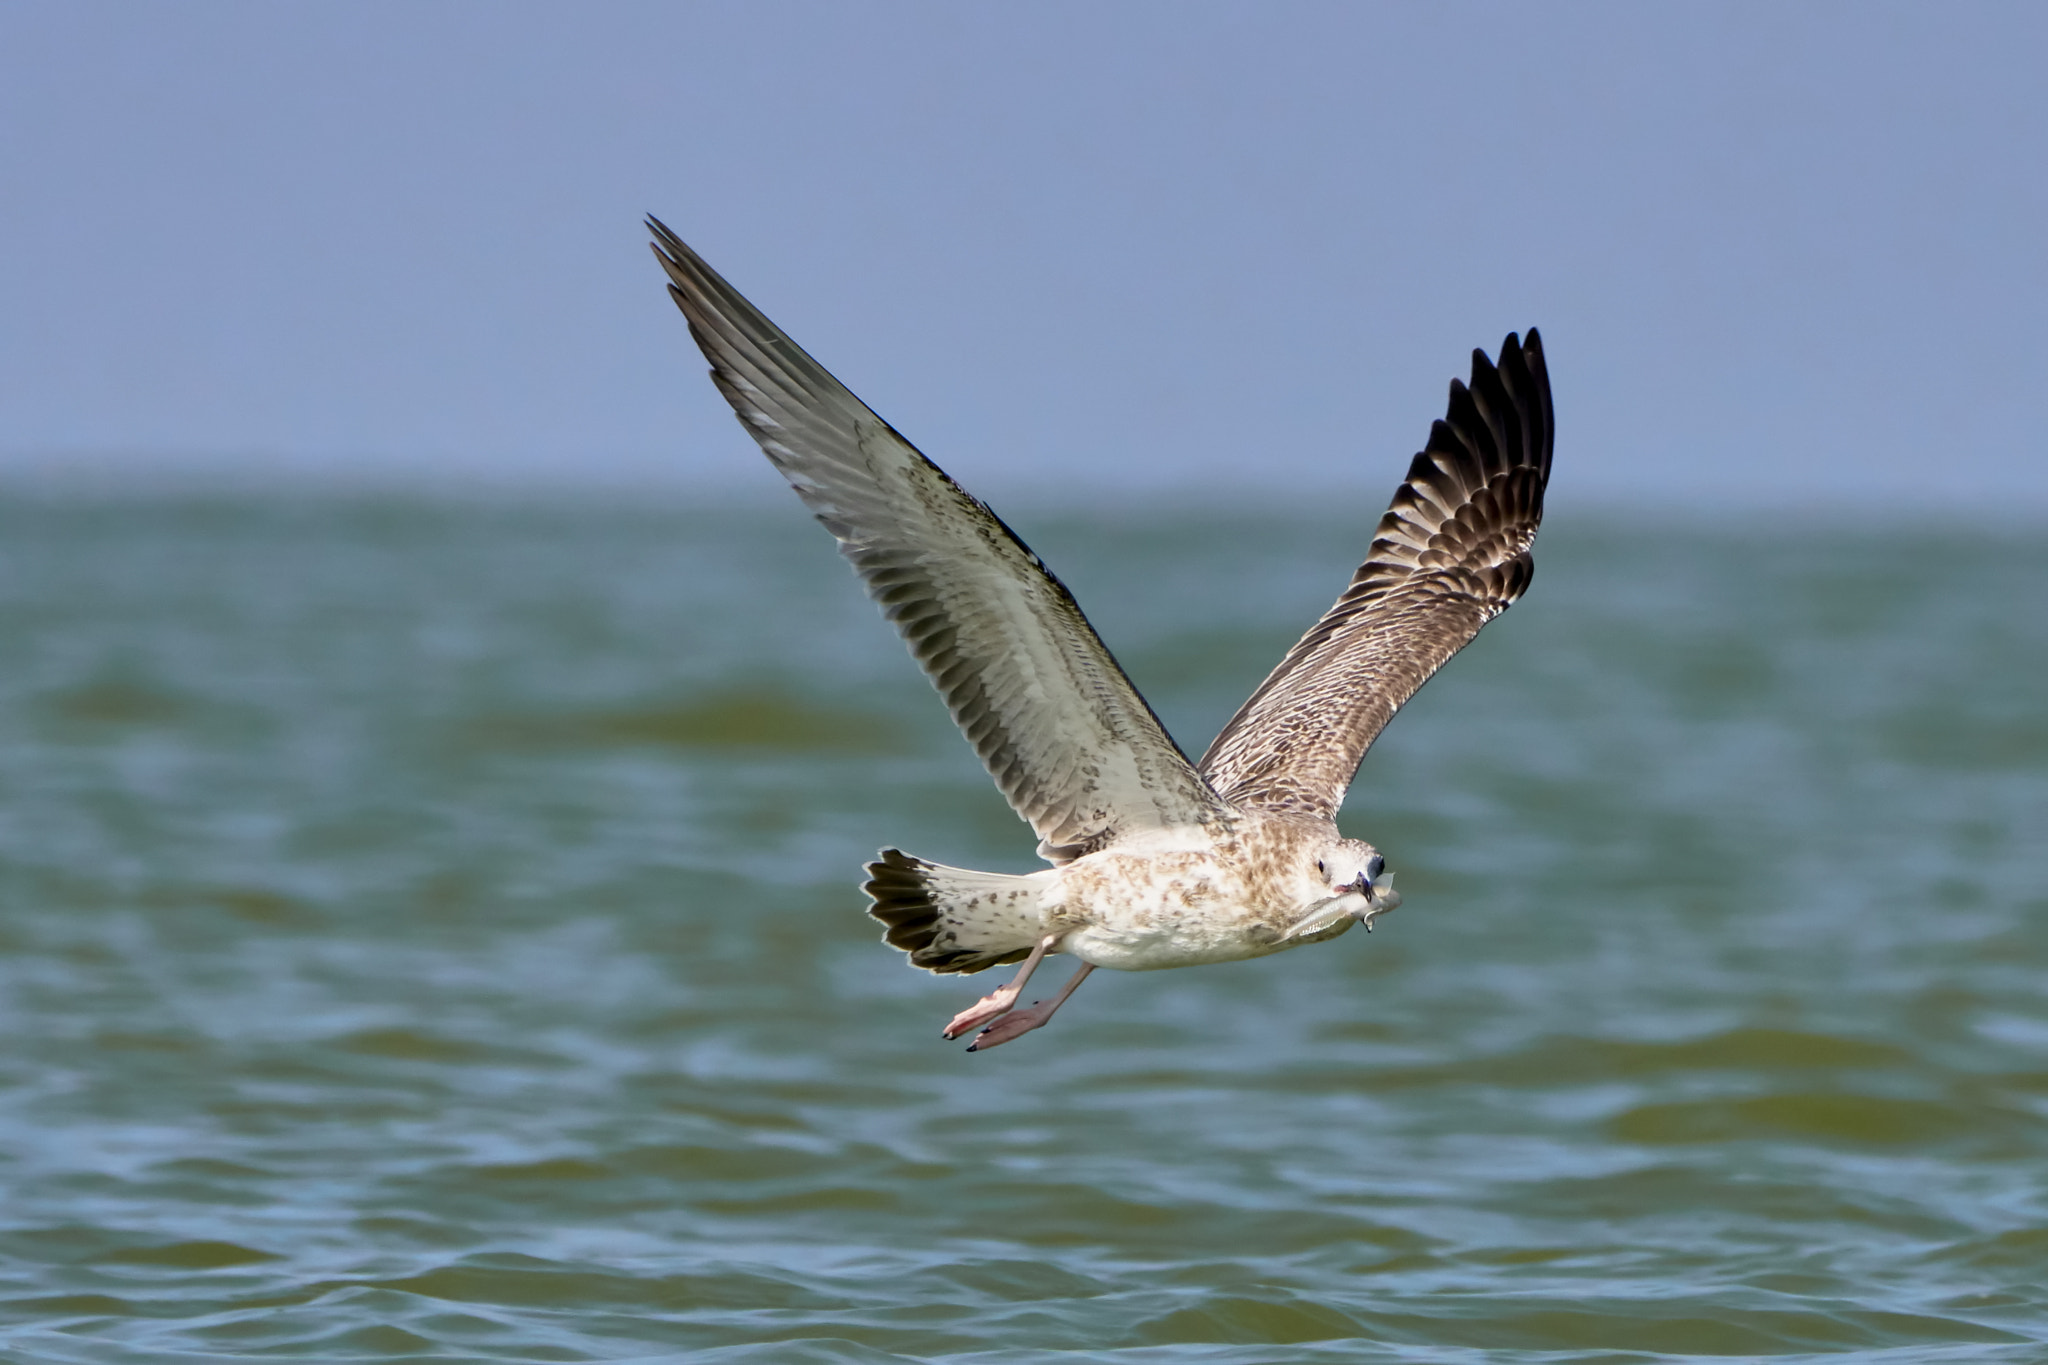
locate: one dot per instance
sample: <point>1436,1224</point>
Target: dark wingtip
<point>668,248</point>
<point>670,251</point>
<point>1529,352</point>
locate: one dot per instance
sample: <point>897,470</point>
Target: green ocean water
<point>431,931</point>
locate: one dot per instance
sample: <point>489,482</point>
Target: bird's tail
<point>950,919</point>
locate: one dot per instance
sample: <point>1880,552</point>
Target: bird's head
<point>1355,877</point>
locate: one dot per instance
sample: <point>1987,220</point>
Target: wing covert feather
<point>1451,553</point>
<point>1068,740</point>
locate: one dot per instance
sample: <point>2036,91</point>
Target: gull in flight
<point>1156,862</point>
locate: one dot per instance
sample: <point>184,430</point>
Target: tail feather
<point>950,919</point>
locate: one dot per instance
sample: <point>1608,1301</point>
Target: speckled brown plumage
<point>1451,553</point>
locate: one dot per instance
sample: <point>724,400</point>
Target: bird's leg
<point>1020,1022</point>
<point>999,1001</point>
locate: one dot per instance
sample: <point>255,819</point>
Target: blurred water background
<point>430,931</point>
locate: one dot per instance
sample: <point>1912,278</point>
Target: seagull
<point>1154,861</point>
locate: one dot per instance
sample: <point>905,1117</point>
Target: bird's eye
<point>1319,868</point>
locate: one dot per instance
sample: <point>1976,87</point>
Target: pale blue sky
<point>1780,253</point>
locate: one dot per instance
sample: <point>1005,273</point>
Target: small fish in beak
<point>1380,897</point>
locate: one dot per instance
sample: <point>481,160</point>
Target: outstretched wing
<point>1451,554</point>
<point>1069,741</point>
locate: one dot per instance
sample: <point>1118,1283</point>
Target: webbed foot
<point>999,1001</point>
<point>990,1006</point>
<point>1017,1023</point>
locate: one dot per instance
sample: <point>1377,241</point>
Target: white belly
<point>1144,911</point>
<point>1150,949</point>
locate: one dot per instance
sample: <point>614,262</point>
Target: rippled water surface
<point>432,932</point>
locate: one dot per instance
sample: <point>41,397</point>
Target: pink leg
<point>999,1001</point>
<point>1019,1022</point>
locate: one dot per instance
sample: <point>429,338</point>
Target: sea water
<point>431,930</point>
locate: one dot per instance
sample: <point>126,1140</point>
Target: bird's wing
<point>1069,741</point>
<point>1451,554</point>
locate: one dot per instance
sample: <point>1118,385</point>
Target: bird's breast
<point>1143,913</point>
